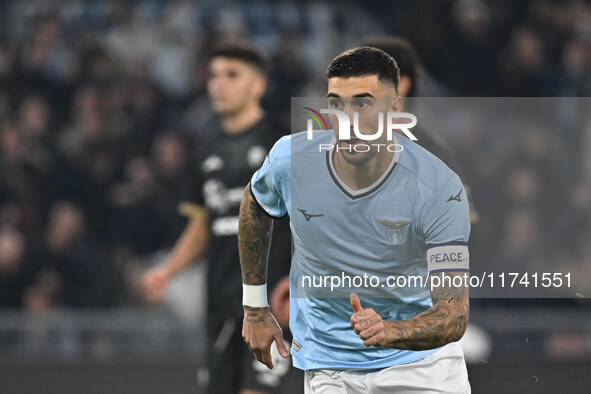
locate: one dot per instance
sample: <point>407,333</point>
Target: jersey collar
<point>355,194</point>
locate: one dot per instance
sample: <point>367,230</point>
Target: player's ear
<point>396,104</point>
<point>404,85</point>
<point>260,86</point>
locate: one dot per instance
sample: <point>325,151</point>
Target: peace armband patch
<point>448,257</point>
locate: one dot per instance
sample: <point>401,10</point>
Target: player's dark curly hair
<point>241,50</point>
<point>362,61</point>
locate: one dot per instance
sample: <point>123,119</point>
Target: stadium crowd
<point>102,104</point>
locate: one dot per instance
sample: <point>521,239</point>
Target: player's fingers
<point>376,340</point>
<point>158,291</point>
<point>262,352</point>
<point>355,302</point>
<point>367,322</point>
<point>357,317</point>
<point>258,353</point>
<point>363,315</point>
<point>366,334</point>
<point>372,329</point>
<point>153,286</point>
<point>265,358</point>
<point>152,295</point>
<point>280,343</point>
<point>148,285</point>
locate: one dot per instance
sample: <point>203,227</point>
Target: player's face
<point>368,97</point>
<point>233,85</point>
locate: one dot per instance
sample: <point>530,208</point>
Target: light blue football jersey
<point>412,221</point>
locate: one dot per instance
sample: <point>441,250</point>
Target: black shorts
<point>232,366</point>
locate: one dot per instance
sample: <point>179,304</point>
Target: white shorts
<point>441,372</point>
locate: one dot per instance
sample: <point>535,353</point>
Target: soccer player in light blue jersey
<point>384,209</point>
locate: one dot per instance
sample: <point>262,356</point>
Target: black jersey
<point>435,144</point>
<point>224,165</point>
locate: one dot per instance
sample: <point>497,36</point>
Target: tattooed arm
<point>259,328</point>
<point>439,325</point>
<point>254,240</point>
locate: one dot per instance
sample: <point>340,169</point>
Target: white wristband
<point>254,295</point>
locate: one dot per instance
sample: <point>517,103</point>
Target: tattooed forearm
<point>254,315</point>
<point>441,324</point>
<point>254,240</point>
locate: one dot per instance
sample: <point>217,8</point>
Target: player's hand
<point>259,330</point>
<point>367,324</point>
<point>279,302</point>
<point>155,281</point>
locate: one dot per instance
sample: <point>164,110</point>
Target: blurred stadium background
<point>100,103</point>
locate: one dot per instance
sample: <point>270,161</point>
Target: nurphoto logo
<point>391,124</point>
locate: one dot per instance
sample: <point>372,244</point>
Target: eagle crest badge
<point>393,230</point>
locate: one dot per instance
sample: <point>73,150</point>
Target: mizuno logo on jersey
<point>309,216</point>
<point>456,197</point>
<point>393,233</point>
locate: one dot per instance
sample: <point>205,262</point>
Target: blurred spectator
<point>16,273</point>
<point>87,278</point>
<point>526,70</point>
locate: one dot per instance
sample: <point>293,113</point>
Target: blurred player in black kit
<point>225,160</point>
<point>410,67</point>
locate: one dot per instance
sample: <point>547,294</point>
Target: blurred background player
<point>410,67</point>
<point>411,72</point>
<point>235,144</point>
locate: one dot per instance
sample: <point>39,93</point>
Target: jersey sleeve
<point>268,184</point>
<point>445,224</point>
